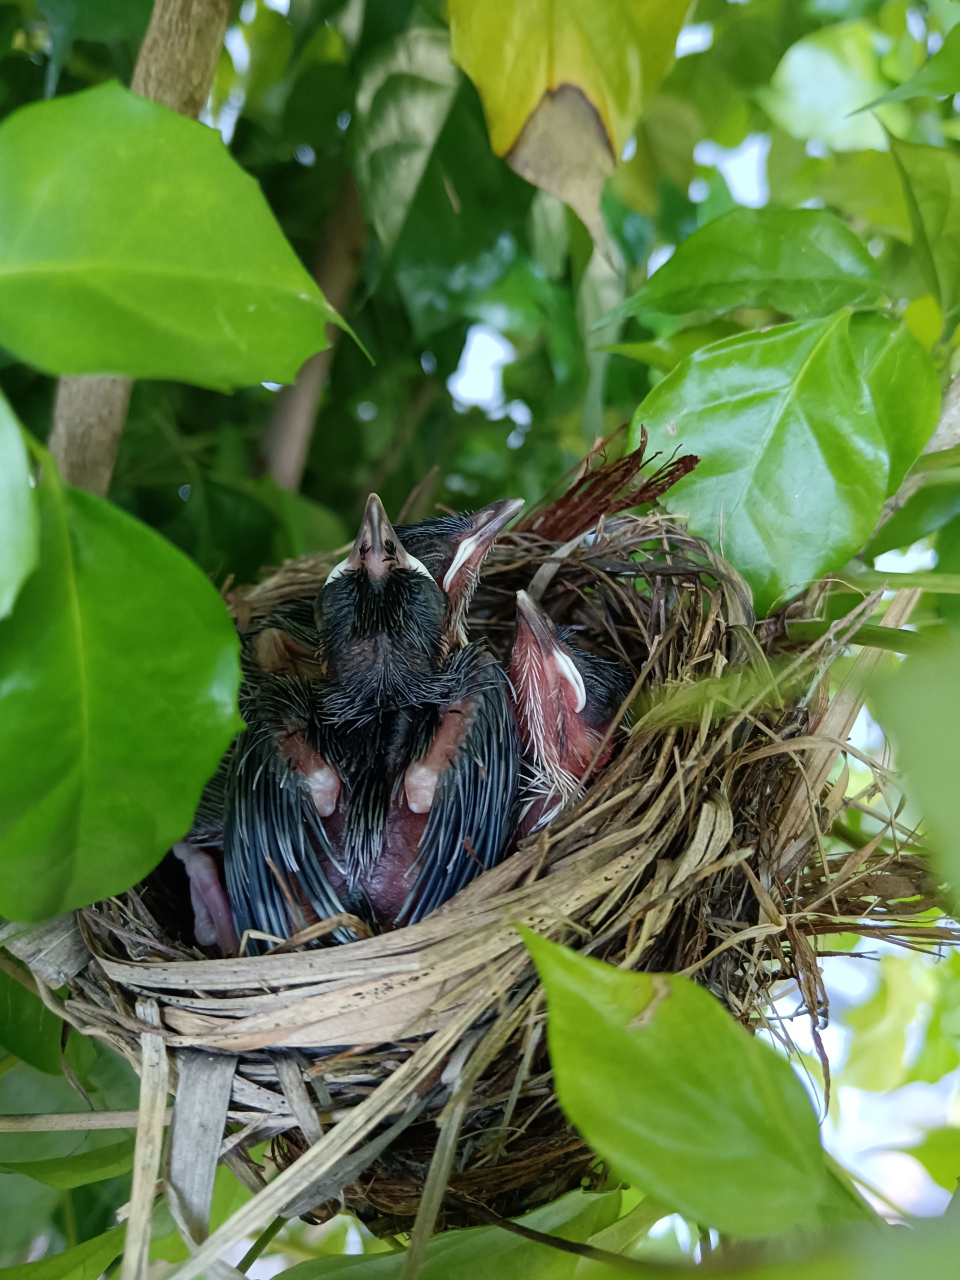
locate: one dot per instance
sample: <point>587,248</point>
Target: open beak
<point>477,541</point>
<point>539,646</point>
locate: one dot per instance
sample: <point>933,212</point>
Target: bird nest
<point>701,848</point>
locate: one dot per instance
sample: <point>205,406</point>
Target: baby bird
<point>453,548</point>
<point>386,785</point>
<point>258,795</point>
<point>565,698</point>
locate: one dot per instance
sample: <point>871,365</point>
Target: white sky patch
<point>278,6</point>
<point>478,379</point>
<point>866,735</point>
<point>744,168</point>
<point>697,37</point>
<point>238,50</point>
<point>661,254</point>
<point>913,560</point>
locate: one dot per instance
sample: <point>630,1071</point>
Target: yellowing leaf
<point>563,83</point>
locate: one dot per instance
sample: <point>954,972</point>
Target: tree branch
<point>175,67</point>
<point>287,439</point>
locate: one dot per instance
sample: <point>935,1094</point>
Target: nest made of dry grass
<point>699,849</point>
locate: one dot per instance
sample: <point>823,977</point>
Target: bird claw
<point>212,917</point>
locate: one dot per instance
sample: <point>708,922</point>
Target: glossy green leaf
<point>794,462</point>
<point>931,184</point>
<point>823,80</point>
<point>929,509</point>
<point>678,1097</point>
<point>803,262</point>
<point>481,1253</point>
<point>19,546</point>
<point>939,75</point>
<point>666,353</point>
<point>903,385</point>
<point>131,243</point>
<point>939,1153</point>
<point>66,1172</point>
<point>403,100</point>
<point>919,708</point>
<point>85,1261</point>
<point>118,680</point>
<point>28,1029</point>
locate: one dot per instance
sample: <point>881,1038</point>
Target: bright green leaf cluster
<point>118,682</point>
<point>156,254</point>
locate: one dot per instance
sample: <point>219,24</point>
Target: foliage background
<point>759,107</point>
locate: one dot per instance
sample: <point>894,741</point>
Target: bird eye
<point>336,572</point>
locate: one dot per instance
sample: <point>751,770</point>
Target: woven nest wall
<point>698,849</point>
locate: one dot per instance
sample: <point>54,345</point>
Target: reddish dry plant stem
<point>175,66</point>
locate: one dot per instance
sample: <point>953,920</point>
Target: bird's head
<point>566,697</point>
<point>453,549</point>
<point>380,610</point>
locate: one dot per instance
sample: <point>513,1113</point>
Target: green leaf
<point>929,509</point>
<point>19,539</point>
<point>480,1253</point>
<point>941,1038</point>
<point>27,1027</point>
<point>133,244</point>
<point>118,681</point>
<point>803,262</point>
<point>858,184</point>
<point>931,184</point>
<point>106,21</point>
<point>939,75</point>
<point>465,222</point>
<point>224,528</point>
<point>403,100</point>
<point>875,1060</point>
<point>939,1153</point>
<point>668,1088</point>
<point>794,462</point>
<point>305,526</point>
<point>84,1261</point>
<point>666,353</point>
<point>919,708</point>
<point>903,385</point>
<point>822,81</point>
<point>67,1172</point>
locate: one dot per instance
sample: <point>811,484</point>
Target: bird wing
<point>271,839</point>
<point>474,805</point>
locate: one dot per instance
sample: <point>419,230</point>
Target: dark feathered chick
<point>276,783</point>
<point>386,784</point>
<point>453,548</point>
<point>566,699</point>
